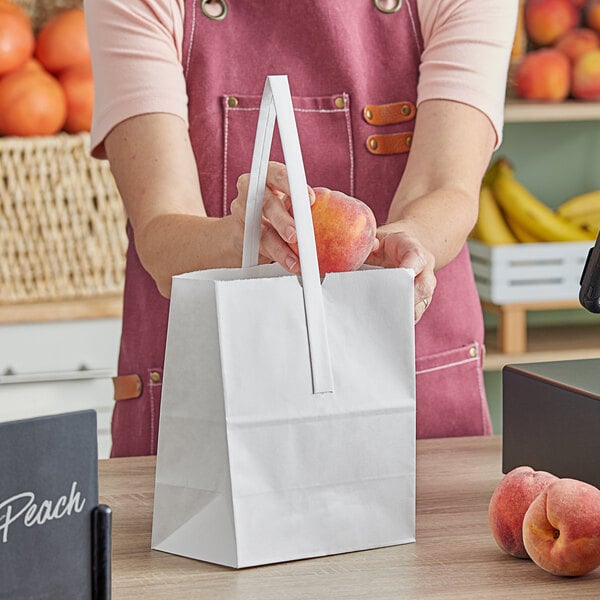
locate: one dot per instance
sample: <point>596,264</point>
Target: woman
<point>398,103</point>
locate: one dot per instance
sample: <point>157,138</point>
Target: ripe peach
<point>561,528</point>
<point>509,503</point>
<point>547,20</point>
<point>577,42</point>
<point>592,15</point>
<point>543,74</point>
<point>344,231</point>
<point>585,83</point>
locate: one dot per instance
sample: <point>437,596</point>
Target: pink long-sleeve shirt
<point>137,59</point>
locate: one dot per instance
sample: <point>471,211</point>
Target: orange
<point>62,41</point>
<point>78,85</point>
<point>32,102</point>
<point>16,40</point>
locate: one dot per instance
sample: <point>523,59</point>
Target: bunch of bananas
<point>583,210</point>
<point>509,213</point>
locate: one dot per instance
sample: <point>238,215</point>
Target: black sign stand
<point>101,552</point>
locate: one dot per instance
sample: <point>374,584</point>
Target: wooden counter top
<point>454,556</point>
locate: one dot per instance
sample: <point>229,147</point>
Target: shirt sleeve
<point>136,48</point>
<point>466,53</point>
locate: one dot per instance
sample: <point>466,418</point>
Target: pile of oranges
<point>46,83</point>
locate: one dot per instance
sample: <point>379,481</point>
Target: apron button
<point>373,144</point>
<point>155,377</point>
<point>232,101</point>
<point>405,110</point>
<point>340,102</point>
<point>473,351</point>
<point>368,114</point>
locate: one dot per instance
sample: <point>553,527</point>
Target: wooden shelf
<point>527,111</point>
<point>65,310</point>
<point>559,342</point>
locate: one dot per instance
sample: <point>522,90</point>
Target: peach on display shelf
<point>548,20</point>
<point>561,528</point>
<point>586,76</point>
<point>592,15</point>
<point>509,503</point>
<point>577,42</point>
<point>543,74</point>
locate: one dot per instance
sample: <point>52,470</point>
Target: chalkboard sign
<point>48,491</point>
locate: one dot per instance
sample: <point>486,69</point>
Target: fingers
<point>278,223</point>
<point>424,292</point>
<point>398,249</point>
<point>276,211</point>
<point>425,280</point>
<point>275,249</point>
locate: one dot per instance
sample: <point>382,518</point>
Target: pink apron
<point>347,62</point>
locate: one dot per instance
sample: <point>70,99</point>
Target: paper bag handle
<point>277,103</point>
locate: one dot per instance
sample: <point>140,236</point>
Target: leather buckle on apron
<point>391,143</point>
<point>127,387</point>
<point>389,114</point>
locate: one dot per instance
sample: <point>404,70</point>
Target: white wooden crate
<point>528,272</point>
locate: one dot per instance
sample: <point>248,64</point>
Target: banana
<point>522,234</point>
<point>522,207</point>
<point>491,227</point>
<point>579,205</point>
<point>589,220</point>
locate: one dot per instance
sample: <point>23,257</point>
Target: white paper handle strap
<point>277,103</point>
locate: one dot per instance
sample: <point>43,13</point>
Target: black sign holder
<point>101,552</point>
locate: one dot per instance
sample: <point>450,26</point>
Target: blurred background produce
<point>557,51</point>
<point>510,213</point>
<point>46,83</point>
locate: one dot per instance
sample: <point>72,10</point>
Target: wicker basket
<point>40,11</point>
<point>62,224</point>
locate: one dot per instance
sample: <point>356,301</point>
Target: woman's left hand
<point>400,249</point>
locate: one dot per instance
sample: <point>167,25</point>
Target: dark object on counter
<point>101,552</point>
<point>48,490</point>
<point>589,292</point>
<point>551,418</point>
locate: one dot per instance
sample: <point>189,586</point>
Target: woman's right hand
<point>278,228</point>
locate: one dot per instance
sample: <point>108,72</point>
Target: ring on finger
<point>425,302</point>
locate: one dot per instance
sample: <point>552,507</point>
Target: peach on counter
<point>509,503</point>
<point>548,20</point>
<point>577,42</point>
<point>543,74</point>
<point>586,76</point>
<point>561,528</point>
<point>345,231</point>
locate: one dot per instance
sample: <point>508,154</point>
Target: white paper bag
<point>287,426</point>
